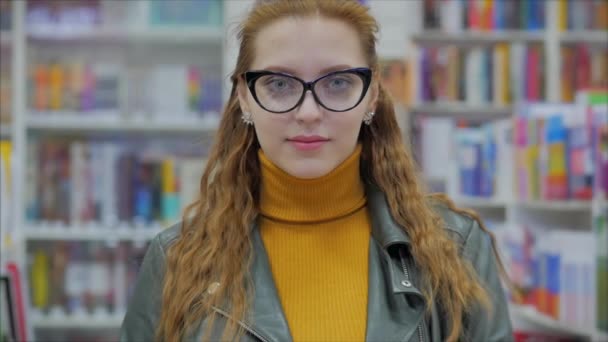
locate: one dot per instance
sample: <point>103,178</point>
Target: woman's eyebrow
<point>287,70</point>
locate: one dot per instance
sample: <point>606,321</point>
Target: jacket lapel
<point>394,310</point>
<point>266,315</point>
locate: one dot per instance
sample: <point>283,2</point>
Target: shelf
<point>481,202</point>
<point>81,123</point>
<point>6,39</point>
<point>531,315</point>
<point>6,131</point>
<point>464,111</point>
<point>568,205</point>
<point>592,37</point>
<point>89,233</point>
<point>477,38</point>
<point>202,35</point>
<point>79,321</point>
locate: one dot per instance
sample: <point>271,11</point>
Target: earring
<point>367,118</point>
<point>247,119</point>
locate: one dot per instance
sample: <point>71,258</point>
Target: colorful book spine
<point>557,181</point>
<point>600,228</point>
<point>488,162</point>
<point>170,198</point>
<point>469,142</point>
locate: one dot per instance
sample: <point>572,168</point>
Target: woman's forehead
<point>307,46</point>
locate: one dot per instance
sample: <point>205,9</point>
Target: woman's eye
<point>277,84</point>
<point>339,83</point>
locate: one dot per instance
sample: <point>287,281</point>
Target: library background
<point>504,103</point>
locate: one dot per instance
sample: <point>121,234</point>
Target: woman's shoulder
<point>463,225</point>
<point>169,235</point>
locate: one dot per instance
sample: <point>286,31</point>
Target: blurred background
<point>108,108</point>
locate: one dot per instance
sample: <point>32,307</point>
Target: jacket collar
<point>384,228</point>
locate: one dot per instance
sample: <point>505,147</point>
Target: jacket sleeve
<point>143,312</point>
<point>482,325</point>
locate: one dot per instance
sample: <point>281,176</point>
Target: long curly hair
<point>215,241</point>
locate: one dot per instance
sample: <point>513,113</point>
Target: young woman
<point>311,224</point>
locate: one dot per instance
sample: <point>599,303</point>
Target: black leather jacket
<point>395,304</point>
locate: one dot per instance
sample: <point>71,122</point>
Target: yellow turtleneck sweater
<point>316,233</point>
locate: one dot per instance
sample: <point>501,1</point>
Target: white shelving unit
<point>477,38</point>
<point>73,123</point>
<point>207,36</point>
<point>544,322</point>
<point>5,39</point>
<point>6,131</point>
<point>188,45</point>
<point>589,37</point>
<point>81,321</point>
<point>88,232</point>
<point>474,113</point>
<point>550,213</point>
<point>560,206</point>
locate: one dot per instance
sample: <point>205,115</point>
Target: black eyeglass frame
<point>252,76</point>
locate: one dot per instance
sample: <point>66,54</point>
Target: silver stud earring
<point>247,119</point>
<point>367,118</point>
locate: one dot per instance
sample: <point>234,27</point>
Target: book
<point>483,15</point>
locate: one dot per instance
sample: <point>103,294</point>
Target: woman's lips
<point>308,143</point>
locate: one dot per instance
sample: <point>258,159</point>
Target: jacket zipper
<point>407,277</point>
<point>242,324</point>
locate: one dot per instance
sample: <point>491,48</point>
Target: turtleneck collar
<point>288,198</point>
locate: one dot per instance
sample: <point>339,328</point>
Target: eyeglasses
<point>338,91</point>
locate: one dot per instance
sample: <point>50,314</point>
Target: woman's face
<point>308,141</point>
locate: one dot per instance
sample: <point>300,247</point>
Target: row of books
<point>561,273</point>
<point>546,152</point>
<point>109,183</point>
<point>484,15</point>
<point>104,88</point>
<point>561,150</point>
<point>67,17</point>
<point>482,74</point>
<point>583,15</point>
<point>68,279</point>
<point>74,87</point>
<point>582,67</point>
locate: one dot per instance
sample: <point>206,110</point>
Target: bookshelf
<point>207,36</point>
<point>561,206</point>
<point>533,317</point>
<point>82,321</point>
<point>476,113</point>
<point>477,38</point>
<point>588,36</point>
<point>5,38</point>
<point>58,232</point>
<point>130,44</point>
<point>74,124</point>
<point>440,38</point>
<point>6,131</point>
